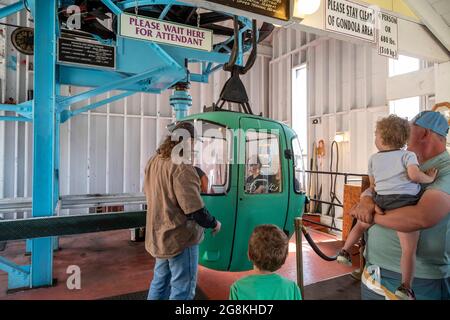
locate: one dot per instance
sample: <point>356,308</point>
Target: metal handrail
<point>346,180</point>
<point>76,201</point>
<point>338,173</point>
<point>345,174</point>
<point>326,202</point>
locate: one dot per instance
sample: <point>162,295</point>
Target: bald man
<point>431,216</point>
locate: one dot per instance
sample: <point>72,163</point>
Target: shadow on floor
<point>142,295</point>
<point>339,288</point>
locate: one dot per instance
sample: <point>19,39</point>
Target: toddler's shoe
<point>404,293</point>
<point>344,257</point>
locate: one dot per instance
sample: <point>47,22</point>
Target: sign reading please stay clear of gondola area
<point>351,19</point>
<point>143,28</point>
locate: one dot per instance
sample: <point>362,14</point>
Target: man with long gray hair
<point>176,216</point>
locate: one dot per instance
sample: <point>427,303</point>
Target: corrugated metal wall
<point>104,150</point>
<point>346,90</point>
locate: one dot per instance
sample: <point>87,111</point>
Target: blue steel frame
<point>48,109</point>
<point>46,138</point>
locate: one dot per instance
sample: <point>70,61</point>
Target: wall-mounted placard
<point>144,28</point>
<point>278,9</point>
<point>351,19</point>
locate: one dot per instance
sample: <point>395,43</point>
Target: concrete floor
<point>111,265</point>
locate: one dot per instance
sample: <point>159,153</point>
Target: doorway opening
<point>408,107</point>
<point>300,108</point>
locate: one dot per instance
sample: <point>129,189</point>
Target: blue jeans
<point>425,289</point>
<point>175,278</point>
<point>367,294</point>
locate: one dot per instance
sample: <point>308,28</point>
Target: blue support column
<point>181,100</point>
<point>44,133</point>
<point>55,240</point>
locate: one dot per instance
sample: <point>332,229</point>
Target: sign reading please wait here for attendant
<point>144,28</point>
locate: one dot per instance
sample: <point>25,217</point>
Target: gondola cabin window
<point>262,162</point>
<point>213,156</point>
<point>299,167</point>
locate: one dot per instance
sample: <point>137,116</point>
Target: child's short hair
<point>268,247</point>
<point>394,131</point>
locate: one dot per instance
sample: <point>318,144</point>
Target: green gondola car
<point>230,143</point>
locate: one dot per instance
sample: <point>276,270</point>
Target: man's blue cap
<point>432,120</point>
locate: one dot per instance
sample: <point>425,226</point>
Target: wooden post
<point>352,194</point>
<point>298,223</point>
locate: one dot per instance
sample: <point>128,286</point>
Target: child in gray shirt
<point>395,177</point>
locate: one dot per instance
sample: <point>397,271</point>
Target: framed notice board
<point>87,53</point>
<point>278,9</point>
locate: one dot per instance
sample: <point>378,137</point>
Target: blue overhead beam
<point>195,77</point>
<point>69,114</point>
<point>23,109</point>
<point>12,107</point>
<point>12,8</point>
<point>21,119</point>
<point>219,66</point>
<point>208,68</point>
<point>132,3</point>
<point>115,9</point>
<point>111,86</point>
<point>164,12</point>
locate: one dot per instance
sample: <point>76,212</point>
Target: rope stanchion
<point>315,247</point>
<point>298,224</point>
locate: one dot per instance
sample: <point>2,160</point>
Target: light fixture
<point>341,136</point>
<point>305,7</point>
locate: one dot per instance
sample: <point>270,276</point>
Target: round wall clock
<point>23,40</point>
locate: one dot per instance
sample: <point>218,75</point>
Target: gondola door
<point>263,185</point>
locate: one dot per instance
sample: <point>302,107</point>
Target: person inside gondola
<point>255,182</point>
<point>275,182</point>
<point>204,181</point>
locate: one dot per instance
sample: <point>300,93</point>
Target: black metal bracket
<point>234,90</point>
<point>289,154</point>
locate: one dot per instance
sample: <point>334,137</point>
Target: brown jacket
<point>172,191</point>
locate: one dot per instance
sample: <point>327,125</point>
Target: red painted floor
<point>112,265</point>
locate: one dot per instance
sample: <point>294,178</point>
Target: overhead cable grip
<point>233,57</point>
<point>252,58</point>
